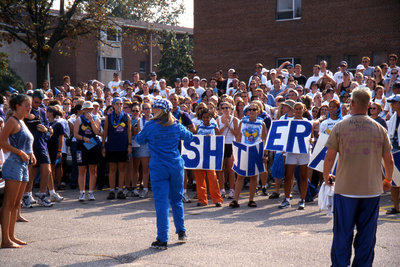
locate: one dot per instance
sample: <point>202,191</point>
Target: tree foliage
<point>41,28</point>
<point>8,77</point>
<point>176,56</point>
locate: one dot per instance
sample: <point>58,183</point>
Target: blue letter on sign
<point>273,135</point>
<point>320,157</point>
<point>236,167</point>
<point>217,153</point>
<point>192,163</point>
<point>255,159</point>
<point>293,134</point>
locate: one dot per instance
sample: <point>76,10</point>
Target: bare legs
<point>9,211</point>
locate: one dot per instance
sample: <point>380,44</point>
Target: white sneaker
<point>223,193</point>
<point>91,196</point>
<point>231,194</point>
<point>56,197</point>
<point>31,199</point>
<point>186,198</point>
<point>81,197</point>
<point>143,194</point>
<point>135,192</point>
<point>44,201</point>
<point>26,203</point>
<point>126,192</point>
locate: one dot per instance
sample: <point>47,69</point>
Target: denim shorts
<point>15,169</point>
<point>141,152</point>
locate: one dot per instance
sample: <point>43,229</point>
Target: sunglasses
<point>135,110</point>
<point>372,108</point>
<point>252,109</point>
<point>146,108</point>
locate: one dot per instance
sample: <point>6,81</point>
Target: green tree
<point>176,56</point>
<point>8,77</point>
<point>42,28</point>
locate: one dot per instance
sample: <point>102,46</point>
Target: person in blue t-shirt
<point>117,144</point>
<point>163,134</point>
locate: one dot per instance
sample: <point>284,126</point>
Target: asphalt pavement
<point>119,233</point>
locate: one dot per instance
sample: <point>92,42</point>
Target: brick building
<point>90,59</point>
<point>94,60</point>
<point>237,34</point>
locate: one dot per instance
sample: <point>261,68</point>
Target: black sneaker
<point>121,195</point>
<point>111,195</point>
<point>218,204</point>
<point>182,237</point>
<point>264,191</point>
<point>159,245</point>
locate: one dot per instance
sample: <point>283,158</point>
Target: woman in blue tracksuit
<point>163,135</point>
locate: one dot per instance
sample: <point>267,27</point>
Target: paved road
<point>119,232</point>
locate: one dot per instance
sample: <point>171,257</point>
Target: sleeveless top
<point>229,137</point>
<point>117,136</point>
<point>206,130</point>
<point>85,128</point>
<point>22,140</point>
<point>251,131</point>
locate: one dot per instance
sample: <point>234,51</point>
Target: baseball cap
<point>192,71</point>
<point>178,80</point>
<point>272,71</point>
<point>343,63</point>
<point>394,98</point>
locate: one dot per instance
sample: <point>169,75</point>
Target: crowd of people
<point>86,132</point>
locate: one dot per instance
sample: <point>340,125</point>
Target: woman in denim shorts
<point>18,140</point>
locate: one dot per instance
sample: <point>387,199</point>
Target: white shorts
<point>297,159</point>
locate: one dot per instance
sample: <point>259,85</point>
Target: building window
<point>114,35</point>
<point>111,63</point>
<point>326,58</point>
<point>288,9</point>
<point>352,61</point>
<point>378,58</point>
<point>293,60</point>
<point>142,67</point>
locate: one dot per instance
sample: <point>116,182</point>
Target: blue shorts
<point>15,169</point>
<point>42,156</point>
<point>141,152</point>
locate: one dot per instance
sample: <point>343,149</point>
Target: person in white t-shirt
<point>338,77</point>
<point>230,78</point>
<point>260,73</point>
<point>196,85</point>
<point>392,65</point>
<point>314,78</point>
<point>334,117</point>
<point>153,83</point>
<point>164,91</point>
<point>324,70</point>
<point>114,84</point>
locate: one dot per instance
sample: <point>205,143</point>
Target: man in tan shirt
<point>362,143</point>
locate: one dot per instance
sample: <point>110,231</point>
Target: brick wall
<point>237,34</point>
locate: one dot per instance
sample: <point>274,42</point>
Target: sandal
<point>234,204</point>
<point>274,195</point>
<point>392,211</point>
<point>252,204</point>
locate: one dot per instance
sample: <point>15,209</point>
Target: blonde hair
<point>361,96</point>
<point>164,118</point>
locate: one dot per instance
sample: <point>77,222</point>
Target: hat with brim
<point>394,98</point>
<point>87,105</point>
<point>290,103</point>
